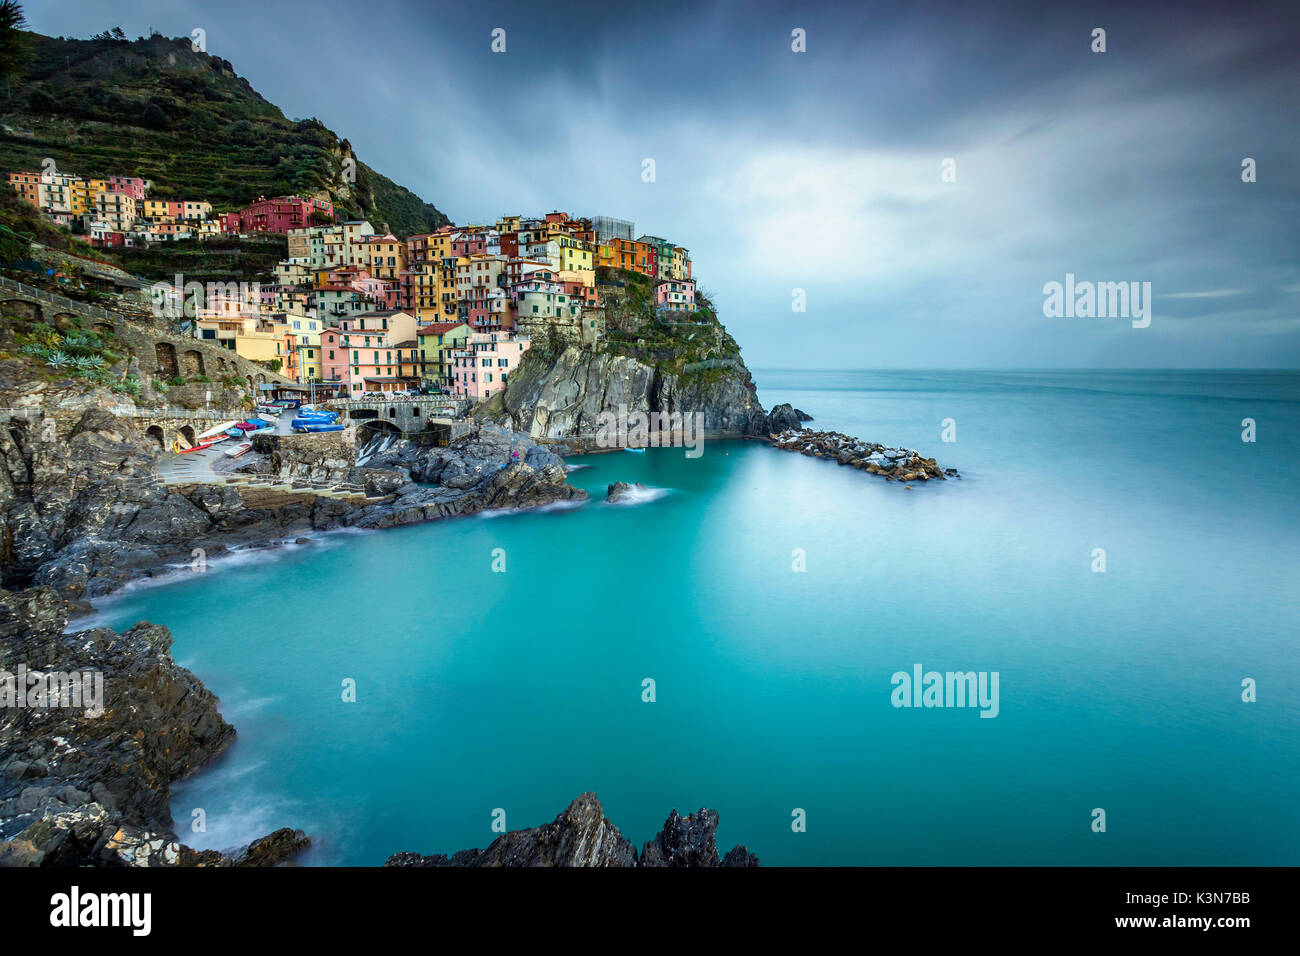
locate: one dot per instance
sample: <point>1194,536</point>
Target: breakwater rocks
<point>86,780</point>
<point>895,464</point>
<point>582,836</point>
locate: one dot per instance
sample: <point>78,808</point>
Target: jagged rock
<point>582,836</point>
<point>785,418</point>
<point>692,842</point>
<point>274,849</point>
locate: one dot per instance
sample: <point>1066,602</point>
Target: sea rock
<point>582,836</point>
<point>620,489</point>
<point>785,418</point>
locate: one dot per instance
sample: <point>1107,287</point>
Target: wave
<point>571,505</point>
<point>639,495</point>
<point>229,560</point>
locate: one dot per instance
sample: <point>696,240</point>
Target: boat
<point>311,426</point>
<point>198,447</point>
<point>236,450</point>
<point>312,413</point>
<point>235,432</point>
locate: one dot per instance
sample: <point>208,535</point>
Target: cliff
<point>560,398</point>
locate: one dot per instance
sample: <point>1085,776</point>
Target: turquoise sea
<point>1121,690</point>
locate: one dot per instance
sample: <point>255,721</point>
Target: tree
<point>15,47</point>
<point>153,117</point>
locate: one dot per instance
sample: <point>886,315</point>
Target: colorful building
<point>676,295</point>
<point>483,366</point>
<point>278,215</point>
<point>437,342</point>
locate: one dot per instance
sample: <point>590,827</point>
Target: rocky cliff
<point>583,836</point>
<point>90,786</point>
<point>561,397</point>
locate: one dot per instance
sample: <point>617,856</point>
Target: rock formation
<point>561,399</point>
<point>620,489</point>
<point>79,789</point>
<point>582,836</point>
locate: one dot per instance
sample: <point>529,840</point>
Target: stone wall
<point>324,456</point>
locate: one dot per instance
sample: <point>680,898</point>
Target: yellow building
<point>83,199</point>
<point>386,257</point>
<point>574,254</point>
<point>256,338</point>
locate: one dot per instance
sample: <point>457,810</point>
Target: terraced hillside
<point>185,120</point>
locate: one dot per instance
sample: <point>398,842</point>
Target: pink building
<point>133,186</point>
<point>483,367</point>
<point>334,356</point>
<point>676,295</point>
<point>468,244</point>
<point>277,215</point>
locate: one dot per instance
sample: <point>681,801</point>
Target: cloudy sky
<point>822,170</point>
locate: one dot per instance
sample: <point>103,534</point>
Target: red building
<point>278,215</point>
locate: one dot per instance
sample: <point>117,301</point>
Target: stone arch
<point>392,412</point>
<point>379,426</point>
<point>193,359</point>
<point>187,432</point>
<point>156,433</point>
<point>104,328</point>
<point>166,355</point>
<point>28,310</point>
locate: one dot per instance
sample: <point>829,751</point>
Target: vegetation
<point>68,351</point>
<point>221,258</point>
<point>21,223</point>
<point>184,120</point>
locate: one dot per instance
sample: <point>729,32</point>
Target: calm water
<point>518,690</point>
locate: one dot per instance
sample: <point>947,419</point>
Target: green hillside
<point>185,120</point>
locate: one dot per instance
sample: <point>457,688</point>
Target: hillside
<point>186,121</point>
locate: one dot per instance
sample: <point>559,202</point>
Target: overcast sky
<point>821,170</point>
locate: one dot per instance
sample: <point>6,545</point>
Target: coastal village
<point>356,312</point>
